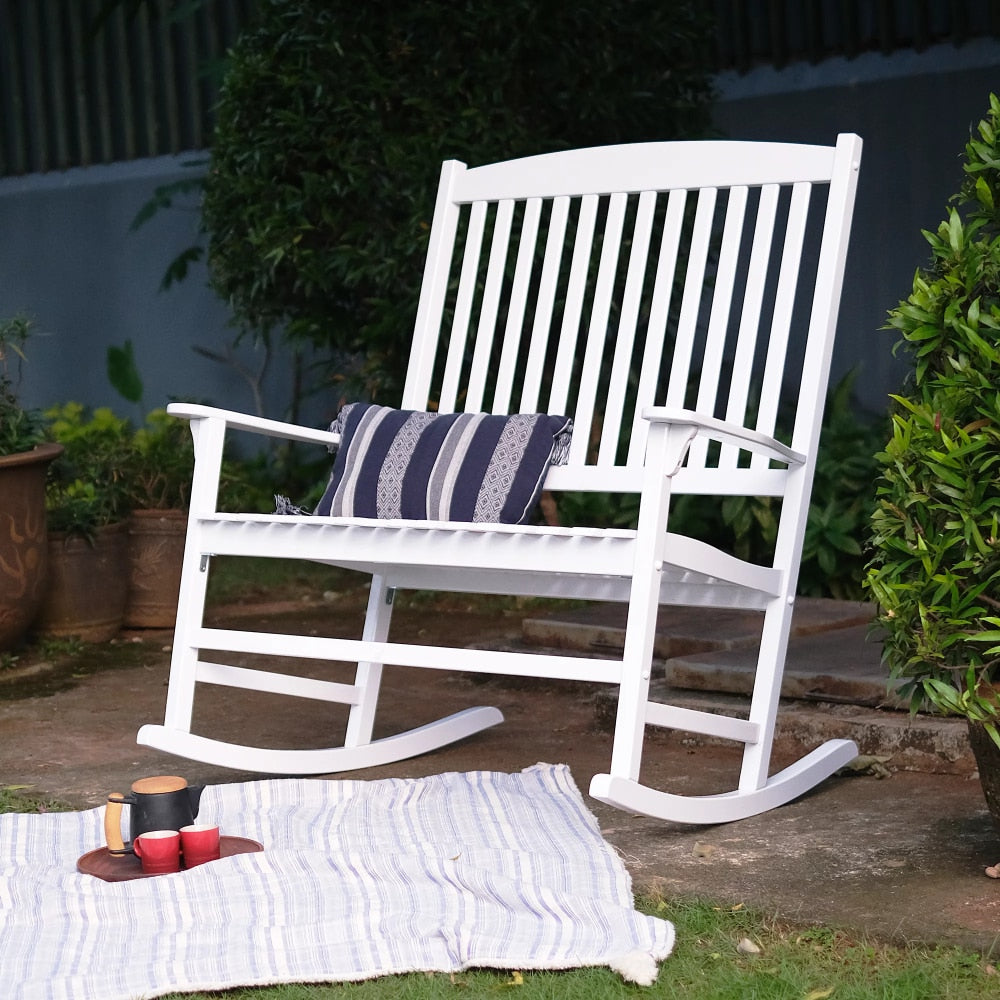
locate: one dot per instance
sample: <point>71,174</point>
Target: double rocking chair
<point>676,302</point>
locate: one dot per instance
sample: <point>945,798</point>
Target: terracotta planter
<point>987,755</point>
<point>88,585</point>
<point>155,554</point>
<point>23,540</point>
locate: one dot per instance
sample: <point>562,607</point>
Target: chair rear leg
<point>767,692</point>
<point>368,678</point>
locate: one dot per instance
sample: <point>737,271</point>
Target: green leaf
<point>985,193</point>
<point>123,373</point>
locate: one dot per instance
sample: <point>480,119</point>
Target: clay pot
<point>987,755</point>
<point>88,585</point>
<point>155,554</point>
<point>23,540</point>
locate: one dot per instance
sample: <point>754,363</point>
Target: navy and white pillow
<point>473,467</point>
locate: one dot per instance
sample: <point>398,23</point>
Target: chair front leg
<point>665,452</point>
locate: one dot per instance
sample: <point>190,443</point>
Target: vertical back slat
<point>600,312</point>
<point>687,325</point>
<point>777,347</point>
<point>718,324</point>
<point>517,305</point>
<point>544,303</point>
<point>486,331</point>
<point>753,300</point>
<point>463,307</point>
<point>570,329</point>
<point>663,287</point>
<point>625,342</point>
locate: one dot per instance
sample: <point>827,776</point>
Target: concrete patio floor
<point>896,848</point>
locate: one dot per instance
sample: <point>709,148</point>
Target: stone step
<point>682,630</point>
<point>829,654</point>
<point>834,685</point>
<point>886,738</point>
<point>837,666</point>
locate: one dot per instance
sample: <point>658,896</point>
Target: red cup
<point>159,851</point>
<point>199,843</point>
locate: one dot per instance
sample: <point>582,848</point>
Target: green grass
<point>19,798</point>
<point>792,963</point>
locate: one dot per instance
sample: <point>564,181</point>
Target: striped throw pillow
<point>442,467</point>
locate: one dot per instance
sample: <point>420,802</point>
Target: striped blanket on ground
<point>358,879</point>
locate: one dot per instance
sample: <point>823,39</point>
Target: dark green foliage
<point>161,463</point>
<point>20,429</point>
<point>936,568</point>
<point>88,483</point>
<point>335,116</point>
<point>123,373</point>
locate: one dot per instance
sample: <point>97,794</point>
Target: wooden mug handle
<point>113,823</point>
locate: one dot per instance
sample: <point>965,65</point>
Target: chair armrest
<point>256,425</point>
<point>721,430</point>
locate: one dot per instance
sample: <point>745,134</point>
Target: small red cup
<point>159,851</point>
<point>199,843</point>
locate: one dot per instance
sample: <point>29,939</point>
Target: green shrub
<point>161,463</point>
<point>334,118</point>
<point>20,429</point>
<point>88,485</point>
<point>935,572</point>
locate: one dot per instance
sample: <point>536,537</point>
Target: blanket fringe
<point>636,967</point>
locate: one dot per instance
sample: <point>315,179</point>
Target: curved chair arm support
<point>728,433</point>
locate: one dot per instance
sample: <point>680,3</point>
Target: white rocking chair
<point>663,295</point>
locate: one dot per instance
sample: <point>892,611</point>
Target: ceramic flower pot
<point>987,755</point>
<point>155,554</point>
<point>88,585</point>
<point>23,540</point>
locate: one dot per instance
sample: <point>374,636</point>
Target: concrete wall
<point>914,112</point>
<point>69,259</point>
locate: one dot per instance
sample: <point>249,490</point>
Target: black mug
<point>167,802</point>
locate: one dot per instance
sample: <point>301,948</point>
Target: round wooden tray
<point>124,867</point>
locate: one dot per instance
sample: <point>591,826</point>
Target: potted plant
<point>87,504</point>
<point>159,482</point>
<point>935,569</point>
<point>24,458</point>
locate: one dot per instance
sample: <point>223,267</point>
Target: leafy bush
<point>936,567</point>
<point>161,463</point>
<point>334,118</point>
<point>20,429</point>
<point>88,485</point>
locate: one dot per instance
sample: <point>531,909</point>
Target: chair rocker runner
<point>666,297</point>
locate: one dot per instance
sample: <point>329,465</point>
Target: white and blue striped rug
<point>358,879</point>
